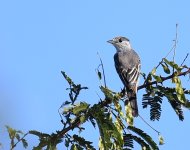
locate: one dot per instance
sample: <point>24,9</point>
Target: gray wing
<point>128,65</point>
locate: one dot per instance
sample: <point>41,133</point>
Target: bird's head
<point>120,43</point>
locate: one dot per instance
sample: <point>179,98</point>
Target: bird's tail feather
<point>132,99</point>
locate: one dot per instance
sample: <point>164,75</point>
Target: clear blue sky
<point>38,39</point>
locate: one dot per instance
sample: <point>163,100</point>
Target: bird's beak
<point>110,41</point>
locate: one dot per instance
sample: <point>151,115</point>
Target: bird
<point>128,65</point>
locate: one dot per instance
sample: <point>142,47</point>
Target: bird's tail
<point>132,99</point>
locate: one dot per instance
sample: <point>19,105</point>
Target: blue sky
<point>38,39</point>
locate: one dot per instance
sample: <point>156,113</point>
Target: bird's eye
<point>120,40</point>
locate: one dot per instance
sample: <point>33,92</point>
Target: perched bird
<point>127,64</point>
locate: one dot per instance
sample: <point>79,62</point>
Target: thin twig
<point>102,70</point>
<point>19,140</point>
<point>184,59</point>
<point>96,70</point>
<point>149,125</point>
<point>60,115</point>
<point>164,78</point>
<point>75,124</point>
<point>98,96</point>
<point>175,45</point>
<point>165,56</point>
<point>172,49</point>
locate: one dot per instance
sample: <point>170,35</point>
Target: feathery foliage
<point>116,126</point>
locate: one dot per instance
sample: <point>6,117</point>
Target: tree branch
<point>12,147</point>
<point>164,79</point>
<point>71,127</point>
<point>184,59</point>
<point>108,101</point>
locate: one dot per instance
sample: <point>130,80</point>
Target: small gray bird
<point>127,64</point>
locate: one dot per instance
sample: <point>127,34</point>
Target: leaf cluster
<point>16,136</point>
<point>116,127</point>
<point>156,91</point>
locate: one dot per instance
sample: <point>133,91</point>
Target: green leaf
<point>82,106</point>
<point>117,105</point>
<point>66,103</point>
<point>143,75</point>
<point>39,134</point>
<point>74,147</point>
<point>46,140</point>
<point>149,78</point>
<point>67,143</point>
<point>107,92</point>
<point>180,93</point>
<point>170,94</point>
<point>67,109</point>
<point>17,136</point>
<point>173,64</point>
<point>92,120</point>
<point>82,119</point>
<point>24,143</point>
<point>146,137</point>
<point>67,78</point>
<point>177,107</point>
<point>175,79</point>
<point>110,132</point>
<point>83,143</point>
<point>157,78</point>
<point>11,131</point>
<point>153,72</point>
<point>187,104</point>
<point>119,126</point>
<point>101,144</point>
<point>155,105</point>
<point>128,143</point>
<point>187,91</point>
<point>51,147</point>
<point>161,140</point>
<point>179,90</point>
<point>117,134</point>
<point>129,116</point>
<point>166,68</point>
<point>99,75</point>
